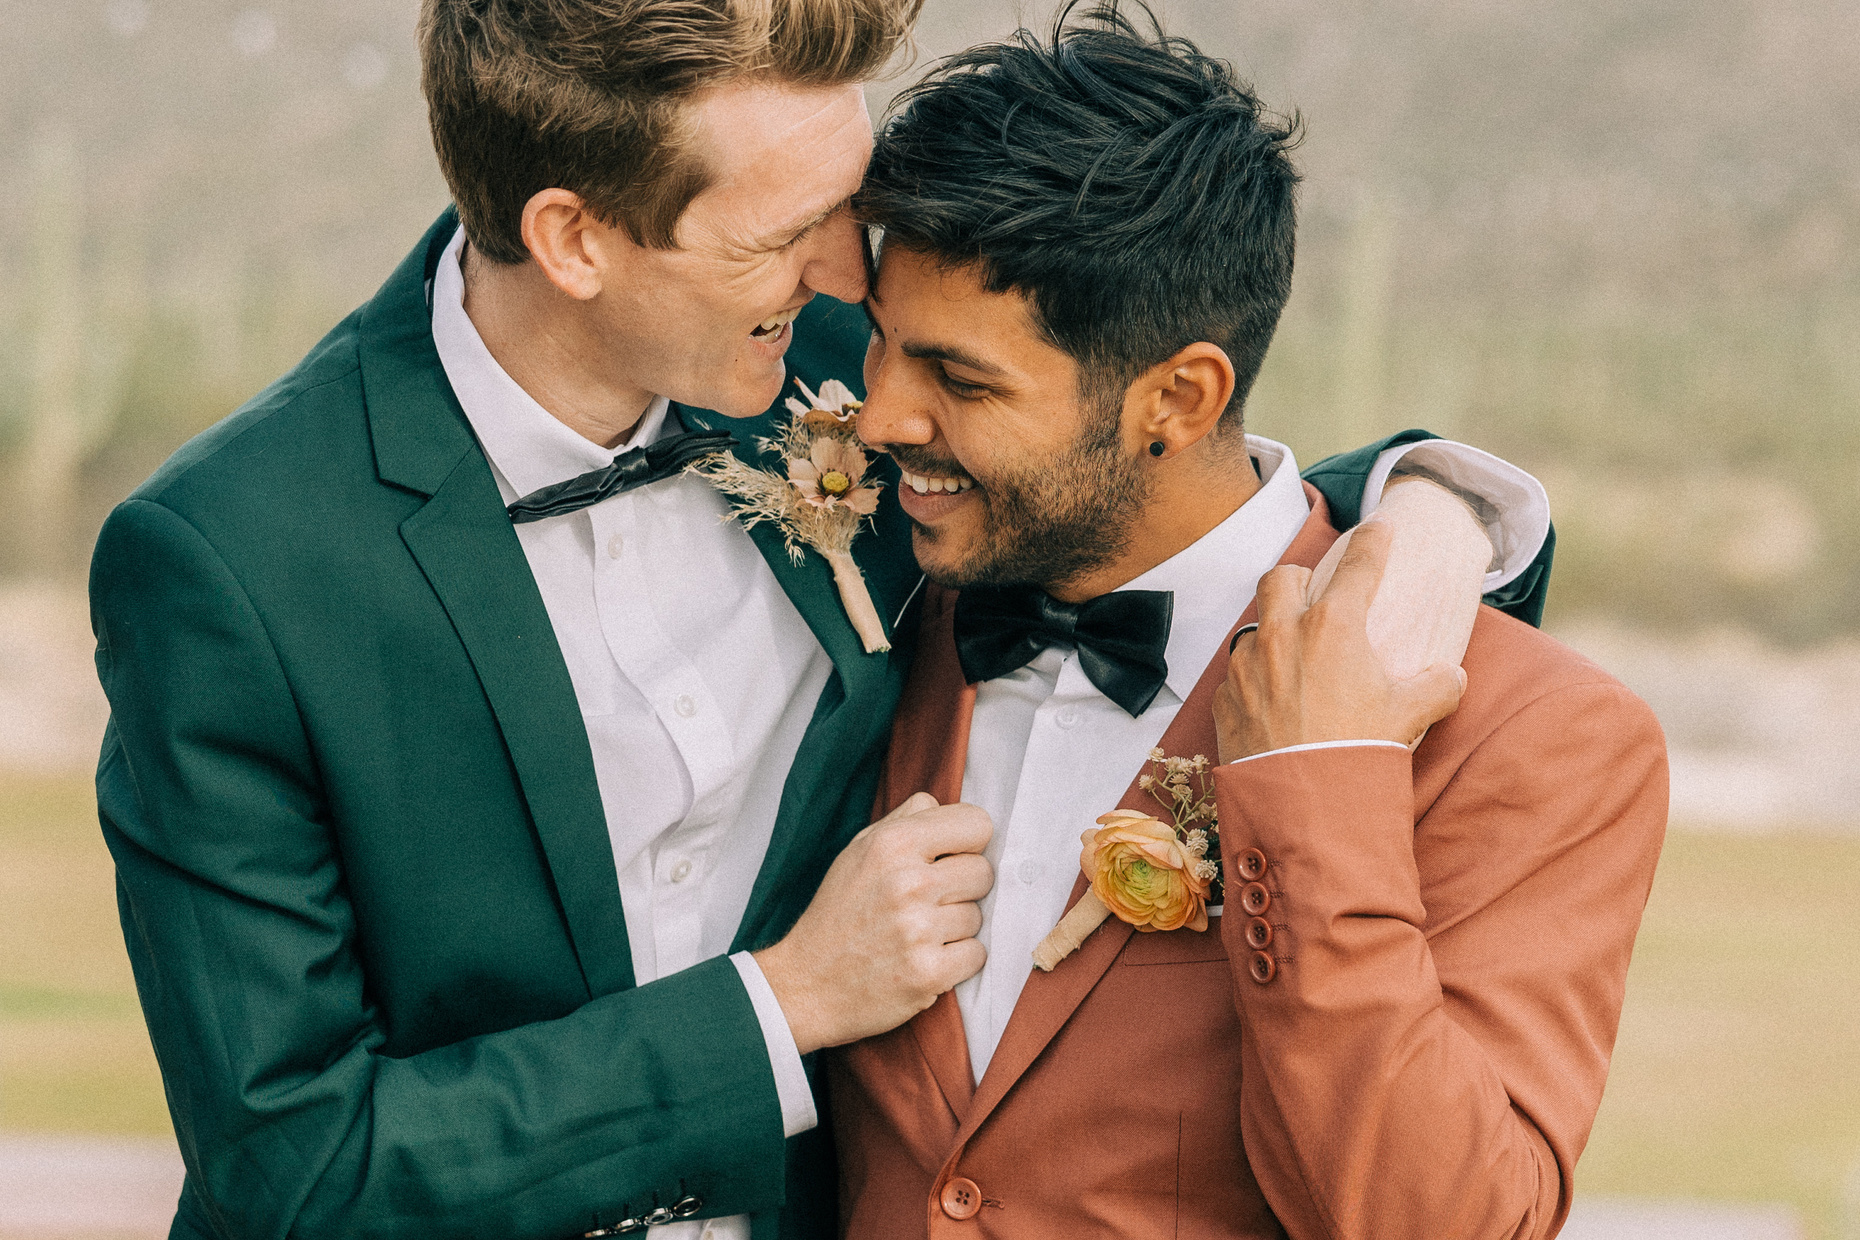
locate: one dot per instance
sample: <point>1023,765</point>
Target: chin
<point>937,558</point>
<point>748,397</point>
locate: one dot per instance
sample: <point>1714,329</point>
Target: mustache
<point>920,461</point>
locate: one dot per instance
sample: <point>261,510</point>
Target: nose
<point>836,259</point>
<point>891,413</point>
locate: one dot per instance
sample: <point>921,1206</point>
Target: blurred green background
<point>1617,241</point>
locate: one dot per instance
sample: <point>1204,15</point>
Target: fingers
<point>961,877</point>
<point>946,829</point>
<point>951,923</point>
<point>1359,572</point>
<point>917,803</point>
<point>1282,594</point>
<point>1425,699</point>
<point>962,960</point>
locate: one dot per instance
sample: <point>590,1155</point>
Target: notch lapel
<point>464,543</point>
<point>843,720</point>
<point>1049,999</point>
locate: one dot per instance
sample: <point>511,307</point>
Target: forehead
<point>778,154</point>
<point>924,301</point>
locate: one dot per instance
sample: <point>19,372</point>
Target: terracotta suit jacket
<point>1418,1052</point>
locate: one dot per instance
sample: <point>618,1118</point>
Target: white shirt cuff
<point>1314,745</point>
<point>1516,511</point>
<point>791,1087</point>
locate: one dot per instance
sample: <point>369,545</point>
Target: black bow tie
<point>1121,637</point>
<point>633,468</point>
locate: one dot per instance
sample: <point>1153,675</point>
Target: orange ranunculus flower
<point>1143,874</point>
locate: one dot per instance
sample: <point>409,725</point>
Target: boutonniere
<point>822,499</point>
<point>1156,875</point>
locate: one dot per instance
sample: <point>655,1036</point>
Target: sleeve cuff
<point>1311,745</point>
<point>791,1087</point>
<point>1512,504</point>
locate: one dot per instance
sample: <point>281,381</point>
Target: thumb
<point>1427,697</point>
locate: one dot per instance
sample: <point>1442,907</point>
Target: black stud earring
<point>1156,447</point>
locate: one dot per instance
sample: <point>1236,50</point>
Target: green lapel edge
<point>466,546</point>
<point>835,737</point>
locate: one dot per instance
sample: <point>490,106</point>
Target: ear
<point>1179,403</point>
<point>571,247</point>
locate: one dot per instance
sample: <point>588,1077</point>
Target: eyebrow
<point>931,351</point>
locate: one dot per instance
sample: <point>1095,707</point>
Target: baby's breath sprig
<point>1185,788</point>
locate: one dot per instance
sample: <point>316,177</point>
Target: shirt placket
<point>688,709</point>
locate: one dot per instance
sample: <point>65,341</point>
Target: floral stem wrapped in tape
<point>822,500</point>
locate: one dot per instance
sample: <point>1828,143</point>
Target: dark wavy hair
<point>1132,188</point>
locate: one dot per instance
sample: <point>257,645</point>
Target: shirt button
<point>1068,717</point>
<point>614,546</point>
<point>681,871</point>
<point>1029,870</point>
<point>685,705</point>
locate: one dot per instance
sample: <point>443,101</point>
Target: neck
<point>1188,497</point>
<point>547,342</point>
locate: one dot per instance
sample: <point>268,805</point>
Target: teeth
<point>925,485</point>
<point>775,323</point>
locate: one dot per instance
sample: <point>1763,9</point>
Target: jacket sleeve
<point>1427,1052</point>
<point>290,1120</point>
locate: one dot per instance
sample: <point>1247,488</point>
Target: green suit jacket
<point>363,869</point>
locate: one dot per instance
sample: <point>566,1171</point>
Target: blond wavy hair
<point>589,95</point>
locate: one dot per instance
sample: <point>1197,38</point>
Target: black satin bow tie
<point>633,468</point>
<point>1121,637</point>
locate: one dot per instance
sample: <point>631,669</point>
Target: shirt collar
<point>1214,578</point>
<point>530,447</point>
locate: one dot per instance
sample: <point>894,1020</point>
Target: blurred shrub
<point>1618,242</point>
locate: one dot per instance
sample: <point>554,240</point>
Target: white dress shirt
<point>1048,753</point>
<point>695,675</point>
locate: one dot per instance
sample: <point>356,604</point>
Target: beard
<point>1048,523</point>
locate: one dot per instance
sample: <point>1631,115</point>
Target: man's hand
<point>892,927</point>
<point>1309,673</point>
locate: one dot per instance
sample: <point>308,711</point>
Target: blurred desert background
<point>1617,241</point>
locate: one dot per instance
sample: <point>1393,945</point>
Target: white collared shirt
<point>1048,753</point>
<point>695,675</point>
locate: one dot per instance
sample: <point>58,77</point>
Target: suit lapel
<point>465,545</point>
<point>843,717</point>
<point>930,740</point>
<point>1049,999</point>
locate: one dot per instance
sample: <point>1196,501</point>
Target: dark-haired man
<point>462,856</point>
<point>1399,1024</point>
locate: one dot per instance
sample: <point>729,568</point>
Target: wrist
<point>792,987</point>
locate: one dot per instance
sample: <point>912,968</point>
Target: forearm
<point>294,1123</point>
<point>1450,949</point>
<point>1401,1124</point>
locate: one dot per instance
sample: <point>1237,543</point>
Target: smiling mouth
<point>773,326</point>
<point>928,484</point>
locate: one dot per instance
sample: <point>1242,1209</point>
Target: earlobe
<point>1183,398</point>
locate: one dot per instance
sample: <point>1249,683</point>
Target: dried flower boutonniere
<point>1153,874</point>
<point>822,499</point>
